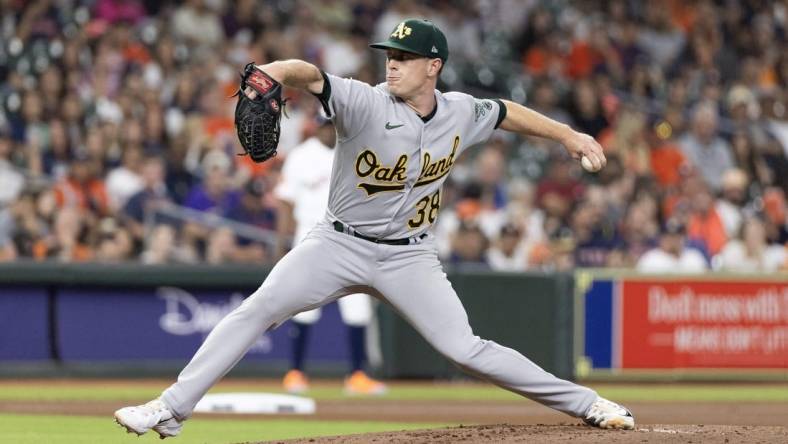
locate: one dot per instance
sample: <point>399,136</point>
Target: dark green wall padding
<point>531,313</point>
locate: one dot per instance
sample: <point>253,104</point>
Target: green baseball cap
<point>418,36</point>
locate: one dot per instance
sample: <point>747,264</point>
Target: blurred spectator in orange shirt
<point>81,188</point>
<point>705,223</point>
<point>69,240</point>
<point>532,42</point>
<point>594,54</point>
<point>556,254</point>
<point>667,160</point>
<point>776,211</point>
<point>545,57</point>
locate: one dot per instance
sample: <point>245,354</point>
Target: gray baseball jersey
<point>386,179</point>
<point>391,163</point>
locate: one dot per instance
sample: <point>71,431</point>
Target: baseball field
<point>66,411</point>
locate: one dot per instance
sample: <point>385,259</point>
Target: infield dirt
<point>566,433</point>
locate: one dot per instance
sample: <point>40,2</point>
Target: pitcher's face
<point>407,72</point>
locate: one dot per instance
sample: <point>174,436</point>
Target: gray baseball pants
<point>328,265</point>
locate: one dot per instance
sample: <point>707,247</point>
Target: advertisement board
<point>598,325</point>
<point>703,324</point>
<point>24,325</point>
<point>166,323</point>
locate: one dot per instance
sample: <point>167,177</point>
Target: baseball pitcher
<point>396,143</point>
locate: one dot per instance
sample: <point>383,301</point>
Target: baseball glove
<point>257,119</point>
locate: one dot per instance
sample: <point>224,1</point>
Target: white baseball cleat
<point>609,415</point>
<point>153,415</point>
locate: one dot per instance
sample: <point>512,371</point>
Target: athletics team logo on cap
<point>417,36</point>
<point>401,31</point>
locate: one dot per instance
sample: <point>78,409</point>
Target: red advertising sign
<point>703,324</point>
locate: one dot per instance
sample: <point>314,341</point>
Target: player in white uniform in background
<point>303,197</point>
<point>396,144</point>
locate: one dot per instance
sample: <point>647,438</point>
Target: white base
<point>255,403</point>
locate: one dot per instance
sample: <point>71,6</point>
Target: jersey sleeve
<point>348,103</point>
<point>485,117</point>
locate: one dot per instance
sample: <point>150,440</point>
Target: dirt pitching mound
<point>566,433</point>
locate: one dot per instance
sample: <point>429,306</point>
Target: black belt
<point>339,226</point>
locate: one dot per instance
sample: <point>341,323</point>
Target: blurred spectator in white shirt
<point>521,209</point>
<point>661,39</point>
<point>733,198</point>
<point>671,255</point>
<point>750,252</point>
<point>704,148</point>
<point>507,16</point>
<point>196,22</point>
<point>11,180</point>
<point>462,28</point>
<point>11,184</point>
<point>396,12</point>
<point>508,253</point>
<point>341,54</point>
<point>125,180</point>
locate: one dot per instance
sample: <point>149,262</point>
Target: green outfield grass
<point>41,390</point>
<point>53,429</point>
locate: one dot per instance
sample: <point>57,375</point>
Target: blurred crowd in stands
<point>117,140</point>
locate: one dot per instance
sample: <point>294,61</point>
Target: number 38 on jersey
<point>426,210</point>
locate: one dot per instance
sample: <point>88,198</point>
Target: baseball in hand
<point>587,165</point>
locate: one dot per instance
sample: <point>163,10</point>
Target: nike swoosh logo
<point>391,127</point>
